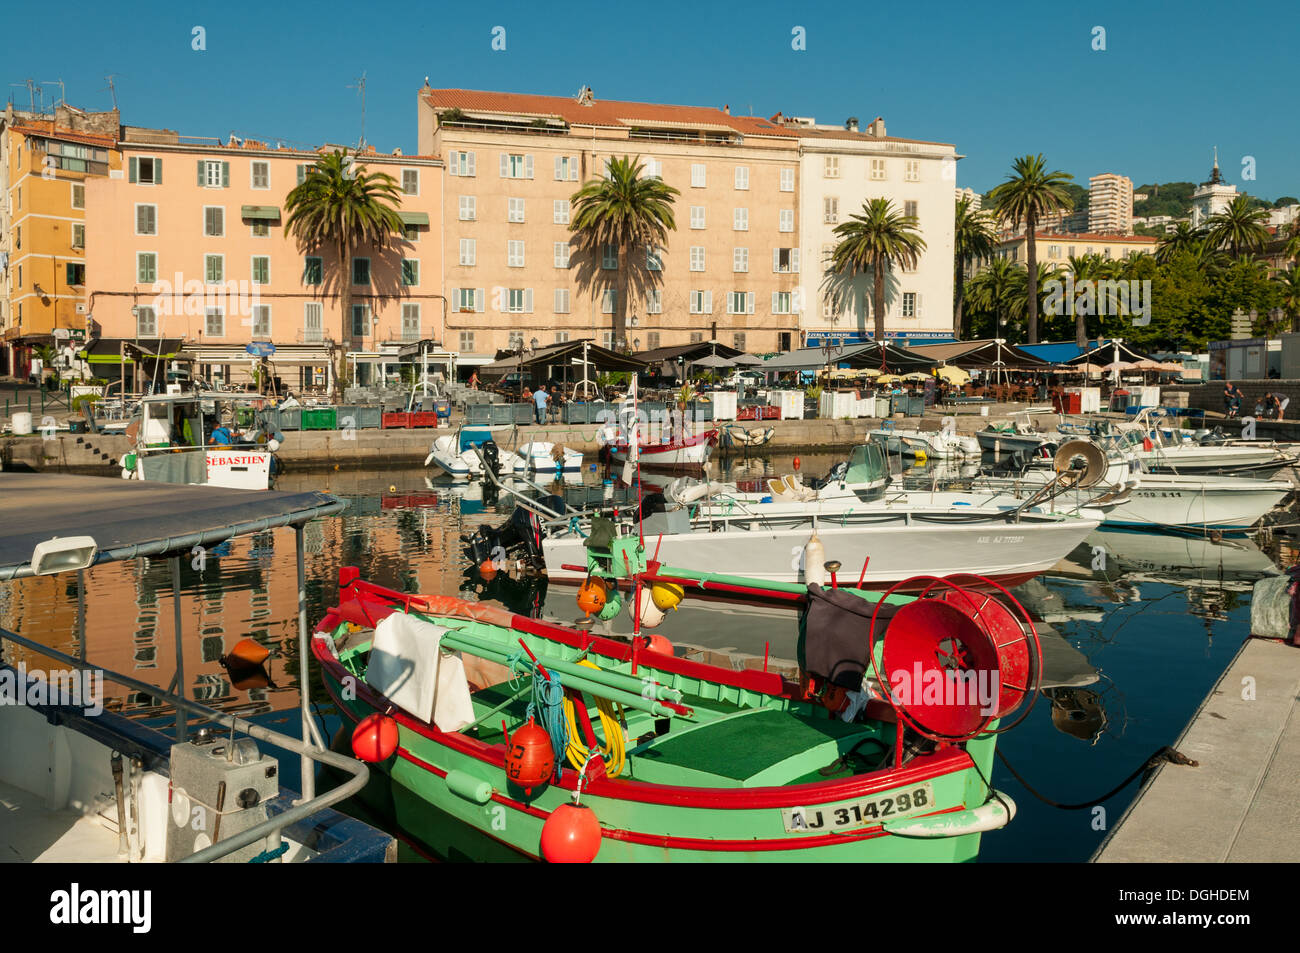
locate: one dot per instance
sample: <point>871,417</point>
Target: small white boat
<point>679,451</point>
<point>935,444</point>
<point>543,457</point>
<point>457,454</point>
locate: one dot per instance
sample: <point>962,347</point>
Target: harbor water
<point>1137,627</point>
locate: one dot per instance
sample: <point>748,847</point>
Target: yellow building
<point>46,160</point>
<point>1056,248</point>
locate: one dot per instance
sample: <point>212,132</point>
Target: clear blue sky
<point>997,79</point>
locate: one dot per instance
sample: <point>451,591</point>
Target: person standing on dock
<point>541,399</point>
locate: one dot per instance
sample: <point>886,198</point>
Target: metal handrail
<point>272,827</point>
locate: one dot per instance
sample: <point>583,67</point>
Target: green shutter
<point>225,175</point>
<point>134,169</point>
<point>157,171</point>
<point>200,173</point>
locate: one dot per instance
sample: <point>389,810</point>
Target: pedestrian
<point>1227,399</point>
<point>541,399</point>
<point>473,381</point>
<point>37,369</point>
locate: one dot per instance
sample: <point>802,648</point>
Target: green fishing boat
<point>562,744</point>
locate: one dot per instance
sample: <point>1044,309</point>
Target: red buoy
<point>248,652</point>
<point>529,756</point>
<point>571,835</point>
<point>796,463</point>
<point>488,570</point>
<point>659,644</point>
<point>375,738</point>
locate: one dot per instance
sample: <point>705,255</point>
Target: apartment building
<point>1056,248</point>
<point>46,162</point>
<point>975,198</point>
<point>187,242</point>
<point>514,272</point>
<point>841,168</point>
<point>1110,204</point>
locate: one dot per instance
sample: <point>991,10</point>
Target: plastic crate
<point>700,410</point>
<point>478,415</point>
<point>319,418</point>
<point>244,417</point>
<point>290,418</point>
<point>396,420</point>
<point>504,414</point>
<point>369,417</point>
<point>424,418</point>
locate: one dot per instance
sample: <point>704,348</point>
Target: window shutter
<point>455,296</point>
<point>528,300</point>
<point>528,167</point>
<point>749,302</point>
<point>559,167</point>
<point>708,302</point>
<point>775,295</point>
<point>469,168</point>
<point>776,259</point>
<point>454,164</point>
<point>134,166</point>
<point>201,171</point>
<point>505,165</point>
<point>794,260</point>
<point>573,168</point>
<point>919,311</point>
<point>478,299</point>
<point>225,175</point>
<point>157,171</point>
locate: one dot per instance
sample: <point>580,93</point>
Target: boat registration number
<point>866,812</point>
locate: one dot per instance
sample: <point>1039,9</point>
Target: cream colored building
<point>1110,204</point>
<point>514,271</point>
<point>841,167</point>
<point>187,243</point>
<point>1056,248</point>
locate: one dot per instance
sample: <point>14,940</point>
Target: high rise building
<point>976,200</point>
<point>1110,204</point>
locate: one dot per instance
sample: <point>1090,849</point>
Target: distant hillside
<point>1172,198</point>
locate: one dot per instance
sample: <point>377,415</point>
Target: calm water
<point>1136,636</point>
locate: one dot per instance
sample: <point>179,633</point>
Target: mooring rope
<point>1166,753</point>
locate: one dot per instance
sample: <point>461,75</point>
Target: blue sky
<point>998,80</point>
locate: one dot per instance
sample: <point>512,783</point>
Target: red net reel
<point>957,657</point>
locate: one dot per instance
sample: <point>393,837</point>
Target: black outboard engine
<point>836,474</point>
<point>651,504</point>
<point>491,456</point>
<point>520,536</point>
<point>1214,436</point>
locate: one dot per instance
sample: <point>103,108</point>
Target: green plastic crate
<point>319,418</point>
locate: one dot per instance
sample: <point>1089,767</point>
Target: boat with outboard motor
<point>456,454</point>
<point>85,784</point>
<point>551,742</point>
<point>944,444</point>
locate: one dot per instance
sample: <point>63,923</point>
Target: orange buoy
<point>797,463</point>
<point>375,738</point>
<point>248,652</point>
<point>529,756</point>
<point>571,835</point>
<point>591,596</point>
<point>659,644</point>
<point>487,569</point>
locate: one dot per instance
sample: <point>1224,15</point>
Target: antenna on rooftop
<point>31,91</point>
<point>111,90</point>
<point>361,86</point>
<point>62,93</point>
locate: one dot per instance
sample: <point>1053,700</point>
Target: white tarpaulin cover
<point>408,667</point>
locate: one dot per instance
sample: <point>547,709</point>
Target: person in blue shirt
<point>541,399</point>
<point>222,436</point>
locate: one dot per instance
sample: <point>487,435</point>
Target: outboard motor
<point>491,456</point>
<point>651,504</point>
<point>835,475</point>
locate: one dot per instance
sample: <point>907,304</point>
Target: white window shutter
<point>559,167</point>
<point>469,169</point>
<point>528,171</point>
<point>573,168</point>
<point>775,302</point>
<point>505,165</point>
<point>794,260</point>
<point>451,166</point>
<point>455,296</point>
<point>749,302</point>
<point>528,300</point>
<point>708,302</point>
<point>920,312</point>
<point>479,299</point>
<point>776,259</point>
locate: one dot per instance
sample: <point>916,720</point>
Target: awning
<point>983,353</point>
<point>569,352</point>
<point>110,350</point>
<point>261,213</point>
<point>414,218</point>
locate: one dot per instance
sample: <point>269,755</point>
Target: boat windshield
<point>866,464</point>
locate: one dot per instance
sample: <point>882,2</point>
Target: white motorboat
<point>675,452</point>
<point>1163,451</point>
<point>543,457</point>
<point>457,455</point>
<point>934,444</point>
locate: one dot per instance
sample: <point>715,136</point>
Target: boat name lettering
<point>1001,539</point>
<point>859,813</point>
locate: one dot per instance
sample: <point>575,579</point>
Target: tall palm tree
<point>998,289</point>
<point>1292,248</point>
<point>1183,238</point>
<point>973,241</point>
<point>1289,283</point>
<point>341,206</point>
<point>875,241</point>
<point>1099,271</point>
<point>1239,229</point>
<point>1029,193</point>
<point>629,211</point>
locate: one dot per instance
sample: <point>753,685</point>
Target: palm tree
<point>1292,247</point>
<point>998,290</point>
<point>874,241</point>
<point>1289,283</point>
<point>1183,238</point>
<point>973,241</point>
<point>339,206</point>
<point>1239,228</point>
<point>1029,193</point>
<point>1093,268</point>
<point>628,211</point>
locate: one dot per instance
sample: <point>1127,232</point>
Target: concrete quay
<point>1240,803</point>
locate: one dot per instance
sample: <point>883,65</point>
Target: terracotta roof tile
<point>46,127</point>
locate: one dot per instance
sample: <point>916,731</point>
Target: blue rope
<point>269,855</point>
<point>546,706</point>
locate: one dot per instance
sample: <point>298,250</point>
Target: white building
<point>1110,204</point>
<point>1212,197</point>
<point>841,168</point>
<point>976,200</point>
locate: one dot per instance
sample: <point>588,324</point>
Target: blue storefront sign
<point>261,349</point>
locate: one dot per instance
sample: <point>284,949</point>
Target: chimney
<point>877,127</point>
<point>397,152</point>
<point>851,124</point>
<point>726,108</point>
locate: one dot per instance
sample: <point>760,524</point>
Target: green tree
<point>630,211</point>
<point>1183,238</point>
<point>1030,193</point>
<point>342,206</point>
<point>1239,229</point>
<point>1292,247</point>
<point>973,241</point>
<point>996,293</point>
<point>874,242</point>
<point>1288,285</point>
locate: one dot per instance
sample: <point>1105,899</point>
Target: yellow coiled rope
<point>615,748</point>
